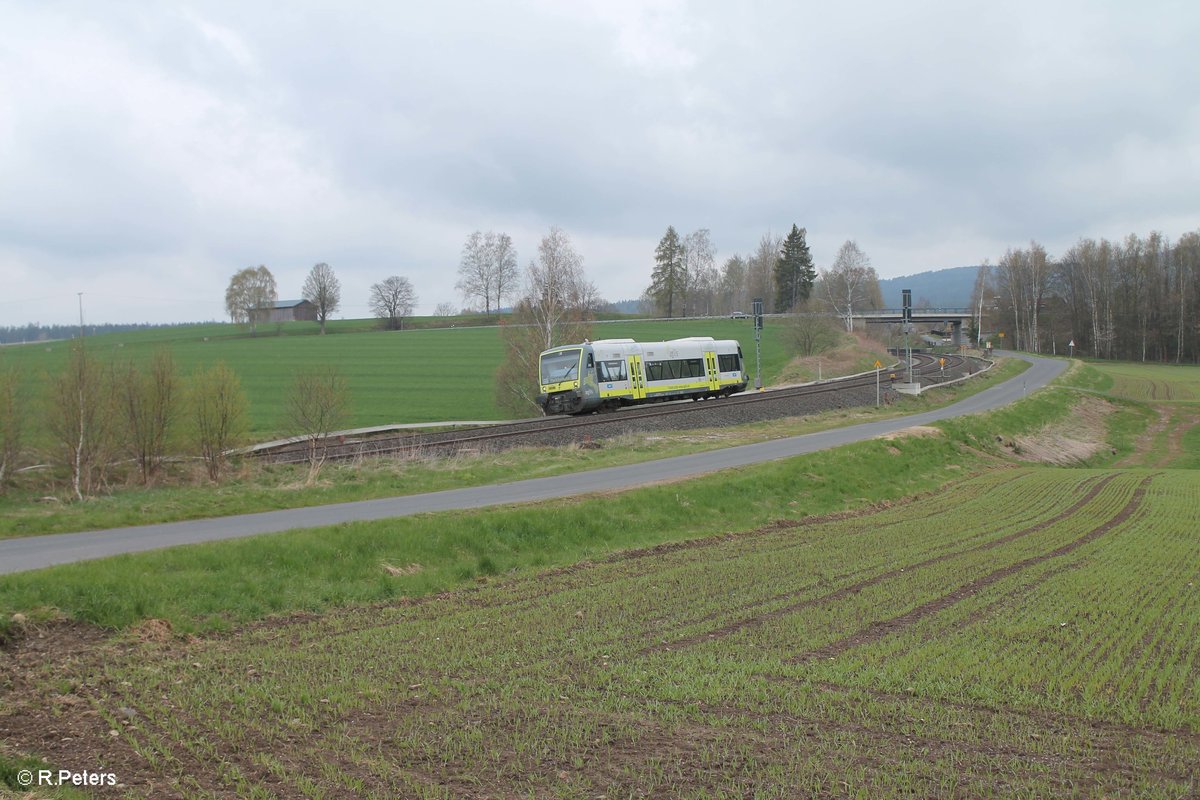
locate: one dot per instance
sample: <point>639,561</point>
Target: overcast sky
<point>149,150</point>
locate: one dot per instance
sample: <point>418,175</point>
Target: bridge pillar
<point>956,335</point>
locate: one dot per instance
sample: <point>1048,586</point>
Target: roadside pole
<point>878,366</point>
<point>906,315</point>
<point>758,323</point>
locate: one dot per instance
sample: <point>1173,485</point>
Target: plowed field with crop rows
<point>1030,633</point>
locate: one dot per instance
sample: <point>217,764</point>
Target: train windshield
<point>559,366</point>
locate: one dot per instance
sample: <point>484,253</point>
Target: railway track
<point>545,431</point>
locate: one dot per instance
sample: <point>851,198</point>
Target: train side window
<point>591,361</point>
<point>611,370</point>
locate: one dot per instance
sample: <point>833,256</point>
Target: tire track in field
<point>855,588</point>
<point>881,628</point>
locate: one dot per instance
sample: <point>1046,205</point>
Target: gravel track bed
<point>684,415</point>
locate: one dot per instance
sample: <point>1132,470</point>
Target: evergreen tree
<point>794,271</point>
<point>667,280</point>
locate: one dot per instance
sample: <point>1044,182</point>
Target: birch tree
<point>556,309</point>
<point>250,291</point>
<point>851,283</point>
<point>699,272</point>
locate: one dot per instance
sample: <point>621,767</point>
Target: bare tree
<point>558,294</point>
<point>323,290</point>
<point>761,271</point>
<point>812,331</point>
<point>81,420</point>
<point>12,422</point>
<point>731,287</point>
<point>556,309</point>
<point>149,405</point>
<point>850,283</point>
<point>508,273</point>
<point>317,406</point>
<point>392,300</point>
<point>1187,282</point>
<point>250,292</point>
<point>444,310</point>
<point>218,411</point>
<point>699,272</point>
<point>488,270</point>
<point>981,298</point>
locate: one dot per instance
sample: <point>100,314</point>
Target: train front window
<point>560,366</point>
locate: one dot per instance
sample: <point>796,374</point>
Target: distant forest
<point>33,332</point>
<point>1136,298</point>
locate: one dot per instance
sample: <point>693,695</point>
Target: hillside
<point>940,288</point>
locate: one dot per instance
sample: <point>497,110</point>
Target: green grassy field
<point>1029,633</point>
<point>423,375</point>
<point>1154,383</point>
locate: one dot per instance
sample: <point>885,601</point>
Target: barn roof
<point>288,303</point>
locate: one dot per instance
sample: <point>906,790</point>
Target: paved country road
<point>35,552</point>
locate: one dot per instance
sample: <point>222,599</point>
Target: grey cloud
<point>376,137</point>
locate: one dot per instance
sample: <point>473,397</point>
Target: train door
<point>637,382</point>
<point>710,369</point>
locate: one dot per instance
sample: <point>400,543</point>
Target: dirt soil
<point>1072,440</point>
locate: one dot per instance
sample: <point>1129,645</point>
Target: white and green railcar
<point>609,373</point>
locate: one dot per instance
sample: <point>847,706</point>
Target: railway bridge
<point>954,317</point>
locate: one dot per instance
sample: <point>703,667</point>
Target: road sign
<point>877,364</point>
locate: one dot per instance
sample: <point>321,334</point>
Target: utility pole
<point>906,315</point>
<point>758,323</point>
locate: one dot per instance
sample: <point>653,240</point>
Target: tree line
<point>685,280</point>
<point>1135,299</point>
<point>36,332</point>
<point>99,423</point>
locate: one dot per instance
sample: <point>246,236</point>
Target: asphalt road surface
<point>35,552</point>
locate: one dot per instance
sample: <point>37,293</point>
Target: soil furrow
<point>858,587</point>
<point>881,628</point>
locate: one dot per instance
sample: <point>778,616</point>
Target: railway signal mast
<point>906,316</point>
<point>758,323</point>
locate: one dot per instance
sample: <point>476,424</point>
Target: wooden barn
<point>288,311</point>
